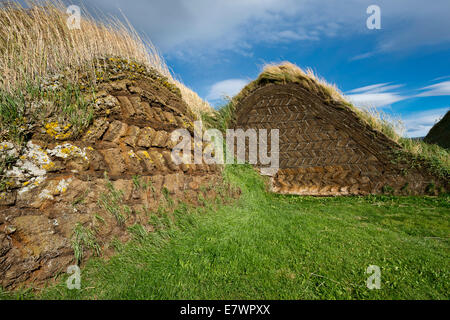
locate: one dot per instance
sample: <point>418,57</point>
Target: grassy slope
<point>440,133</point>
<point>282,247</point>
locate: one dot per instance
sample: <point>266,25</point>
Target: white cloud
<point>384,94</point>
<point>414,23</point>
<point>419,124</point>
<point>290,35</point>
<point>368,88</point>
<point>376,88</point>
<point>226,88</point>
<point>438,89</point>
<point>376,95</point>
<point>362,56</point>
<point>376,100</point>
<point>441,78</point>
<point>204,26</point>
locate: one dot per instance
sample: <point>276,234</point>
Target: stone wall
<point>121,168</point>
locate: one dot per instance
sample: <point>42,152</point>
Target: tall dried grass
<point>288,72</point>
<point>36,42</point>
<point>192,99</point>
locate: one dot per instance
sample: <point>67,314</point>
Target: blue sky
<point>217,46</point>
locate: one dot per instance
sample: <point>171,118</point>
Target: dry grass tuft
<point>287,72</point>
<point>392,127</point>
<point>192,99</point>
<point>35,42</point>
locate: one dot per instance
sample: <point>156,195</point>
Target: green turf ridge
<point>271,246</point>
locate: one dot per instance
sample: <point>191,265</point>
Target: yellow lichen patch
<point>9,183</point>
<point>48,166</point>
<point>68,150</point>
<point>54,130</point>
<point>51,128</point>
<point>187,124</point>
<point>6,146</point>
<point>131,154</point>
<point>145,156</point>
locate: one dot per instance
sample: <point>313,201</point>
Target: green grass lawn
<point>270,246</point>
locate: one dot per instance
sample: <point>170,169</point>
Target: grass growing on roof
<point>27,58</point>
<point>221,118</point>
<point>436,157</point>
<point>64,106</point>
<point>287,72</point>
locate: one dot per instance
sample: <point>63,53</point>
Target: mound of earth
<point>68,194</point>
<point>440,133</point>
<point>325,148</point>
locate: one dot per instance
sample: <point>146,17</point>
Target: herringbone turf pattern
<point>325,148</point>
